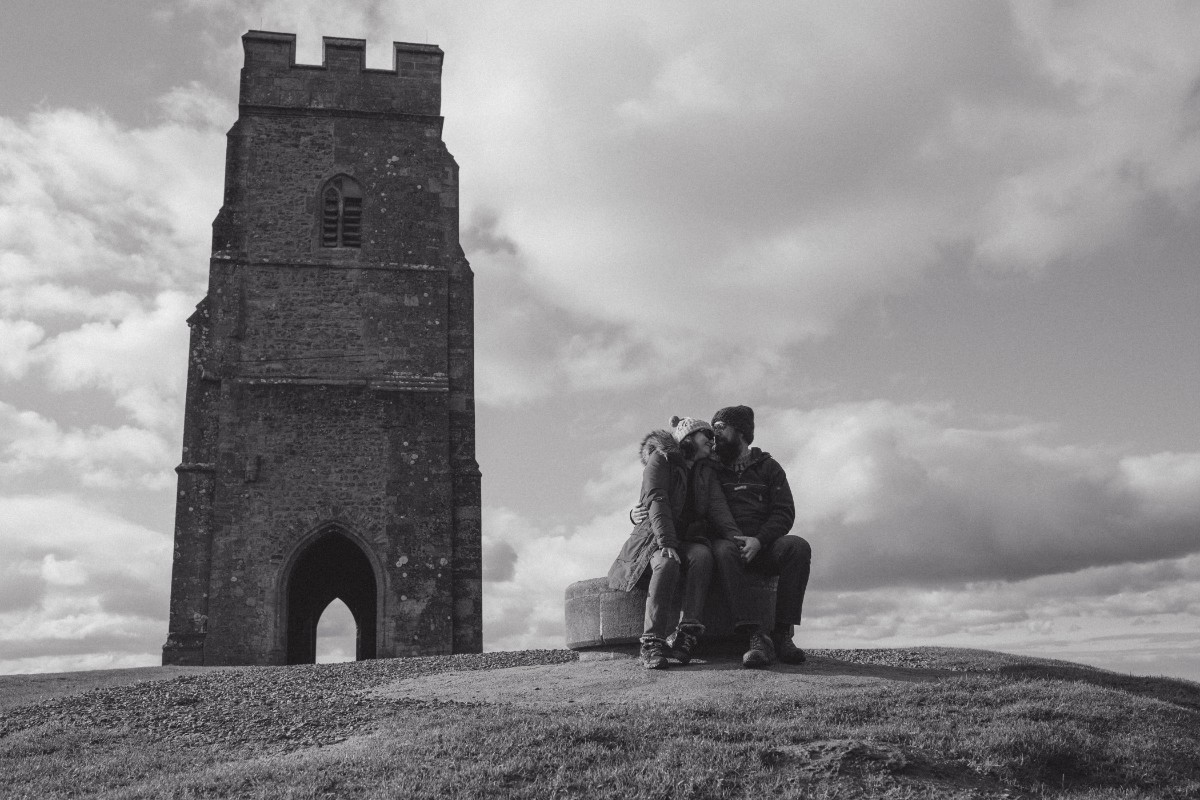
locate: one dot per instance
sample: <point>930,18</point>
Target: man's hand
<point>639,513</point>
<point>669,552</point>
<point>749,547</point>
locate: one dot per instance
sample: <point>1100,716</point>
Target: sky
<point>947,251</point>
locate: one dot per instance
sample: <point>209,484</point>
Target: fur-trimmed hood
<point>660,441</point>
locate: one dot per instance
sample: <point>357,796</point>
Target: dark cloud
<point>499,561</point>
<point>483,234</point>
<point>893,495</point>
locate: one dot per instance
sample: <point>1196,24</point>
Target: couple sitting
<point>702,512</point>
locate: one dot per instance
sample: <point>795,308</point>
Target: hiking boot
<point>785,649</point>
<point>682,643</point>
<point>761,653</point>
<point>653,654</point>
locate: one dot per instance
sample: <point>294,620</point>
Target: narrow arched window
<point>341,213</point>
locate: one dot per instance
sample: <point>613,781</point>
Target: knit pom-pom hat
<point>683,427</point>
<point>740,417</point>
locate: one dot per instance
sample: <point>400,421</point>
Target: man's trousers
<point>789,557</point>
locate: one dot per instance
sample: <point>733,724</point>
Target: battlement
<point>271,78</point>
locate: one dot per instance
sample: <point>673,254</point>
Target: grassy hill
<point>926,722</point>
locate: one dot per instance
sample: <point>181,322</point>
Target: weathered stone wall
<point>293,458</point>
<point>331,388</point>
<point>410,187</point>
<point>319,322</point>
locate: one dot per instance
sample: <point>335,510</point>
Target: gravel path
<point>267,708</point>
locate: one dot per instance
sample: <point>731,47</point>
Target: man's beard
<point>727,450</point>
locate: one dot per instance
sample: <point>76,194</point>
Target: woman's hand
<point>669,552</point>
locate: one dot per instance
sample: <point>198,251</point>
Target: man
<point>760,499</point>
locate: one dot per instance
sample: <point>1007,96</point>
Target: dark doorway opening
<point>331,568</point>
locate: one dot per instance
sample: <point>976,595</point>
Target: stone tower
<point>329,437</point>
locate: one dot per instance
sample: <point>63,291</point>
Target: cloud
<point>54,302</point>
<point>517,331</point>
<point>103,244</point>
<point>1121,617</point>
<point>620,478</point>
<point>499,560</point>
<point>528,347</point>
<point>899,495</point>
<point>526,610</point>
<point>16,340</point>
<point>85,201</point>
<point>34,449</point>
<point>94,586</point>
<point>103,239</point>
<point>141,360</point>
<point>674,191</point>
<point>793,181</point>
<point>103,232</point>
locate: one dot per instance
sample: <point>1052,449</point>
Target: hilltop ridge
<point>919,722</point>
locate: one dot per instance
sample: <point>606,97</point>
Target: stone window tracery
<point>341,213</point>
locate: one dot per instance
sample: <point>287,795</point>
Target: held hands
<point>749,545</point>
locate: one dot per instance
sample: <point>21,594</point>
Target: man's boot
<point>682,643</point>
<point>785,649</point>
<point>761,653</point>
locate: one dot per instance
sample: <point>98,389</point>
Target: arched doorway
<point>332,567</point>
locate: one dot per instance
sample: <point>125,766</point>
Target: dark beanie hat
<point>740,417</point>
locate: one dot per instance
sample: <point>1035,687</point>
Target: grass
<point>1024,731</point>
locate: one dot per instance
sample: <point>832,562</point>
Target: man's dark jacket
<point>760,498</point>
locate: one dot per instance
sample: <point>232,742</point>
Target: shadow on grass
<point>1180,693</point>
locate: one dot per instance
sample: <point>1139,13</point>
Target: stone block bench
<point>603,621</point>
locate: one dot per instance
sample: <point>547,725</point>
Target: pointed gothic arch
<point>341,212</point>
<point>329,565</point>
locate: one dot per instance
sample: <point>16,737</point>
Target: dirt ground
<point>604,679</point>
<point>622,681</point>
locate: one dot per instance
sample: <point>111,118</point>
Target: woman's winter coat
<point>665,480</point>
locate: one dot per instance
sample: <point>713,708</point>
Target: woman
<point>681,493</point>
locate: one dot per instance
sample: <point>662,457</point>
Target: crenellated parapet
<point>271,78</point>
